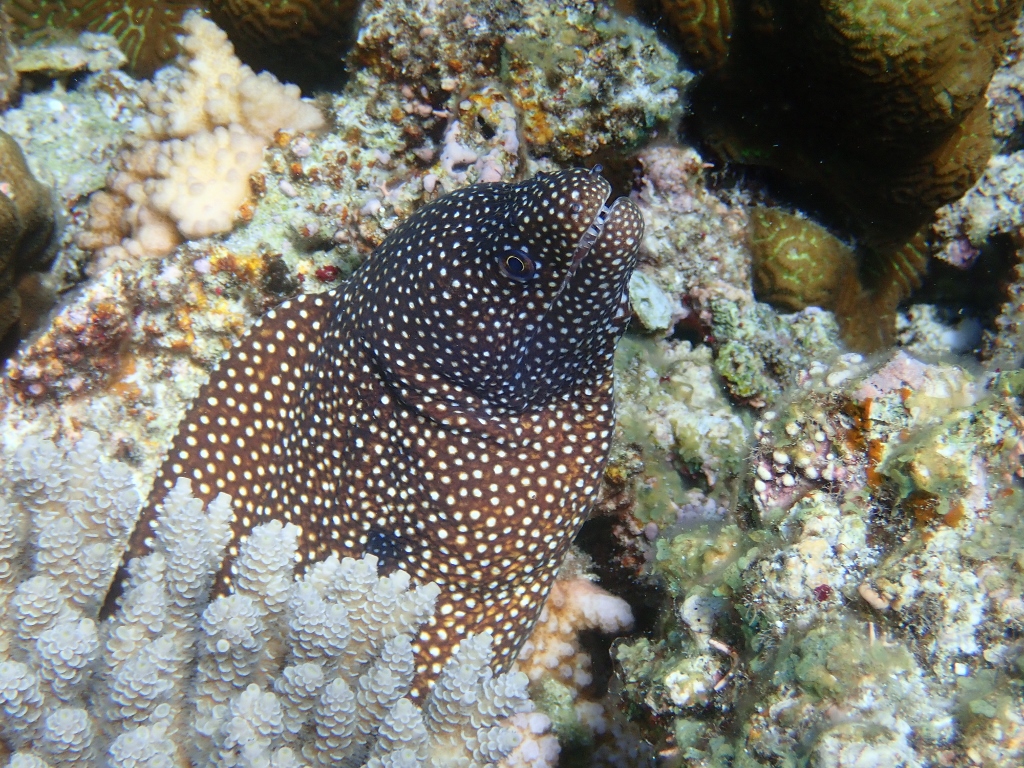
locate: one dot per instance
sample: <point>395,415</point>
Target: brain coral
<point>26,224</point>
<point>287,37</point>
<point>799,264</point>
<point>876,108</point>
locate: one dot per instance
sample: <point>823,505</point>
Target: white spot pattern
<point>447,417</point>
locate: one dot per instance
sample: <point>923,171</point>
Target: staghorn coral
<point>210,118</point>
<point>26,225</point>
<point>877,109</point>
<point>285,671</point>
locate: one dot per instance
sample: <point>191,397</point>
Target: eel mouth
<point>589,239</point>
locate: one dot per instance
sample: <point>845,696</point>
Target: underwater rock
<point>26,226</point>
<point>874,593</point>
<point>89,52</point>
<point>606,86</point>
<point>697,247</point>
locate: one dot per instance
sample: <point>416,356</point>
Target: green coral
<point>586,80</point>
<point>874,108</point>
<point>289,37</point>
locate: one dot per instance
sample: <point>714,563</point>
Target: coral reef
<point>799,264</point>
<point>704,28</point>
<point>59,58</point>
<point>874,589</point>
<point>992,206</point>
<point>697,252</point>
<point>575,99</point>
<point>285,671</point>
<point>288,38</point>
<point>884,146</point>
<point>587,720</point>
<point>300,41</point>
<point>210,118</point>
<point>821,551</point>
<point>26,226</point>
<point>847,110</point>
<point>672,407</point>
<point>589,94</point>
<point>145,29</point>
<point>1005,94</point>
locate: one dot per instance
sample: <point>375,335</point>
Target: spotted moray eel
<point>448,409</point>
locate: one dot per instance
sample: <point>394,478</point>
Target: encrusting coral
<point>26,225</point>
<point>878,108</point>
<point>285,671</point>
<point>210,118</point>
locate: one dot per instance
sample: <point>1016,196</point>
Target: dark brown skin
<point>448,410</point>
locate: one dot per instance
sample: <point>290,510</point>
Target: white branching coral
<point>187,174</point>
<point>285,672</point>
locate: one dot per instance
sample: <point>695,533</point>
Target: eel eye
<point>517,265</point>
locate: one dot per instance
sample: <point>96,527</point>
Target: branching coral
<point>210,119</point>
<point>285,671</point>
